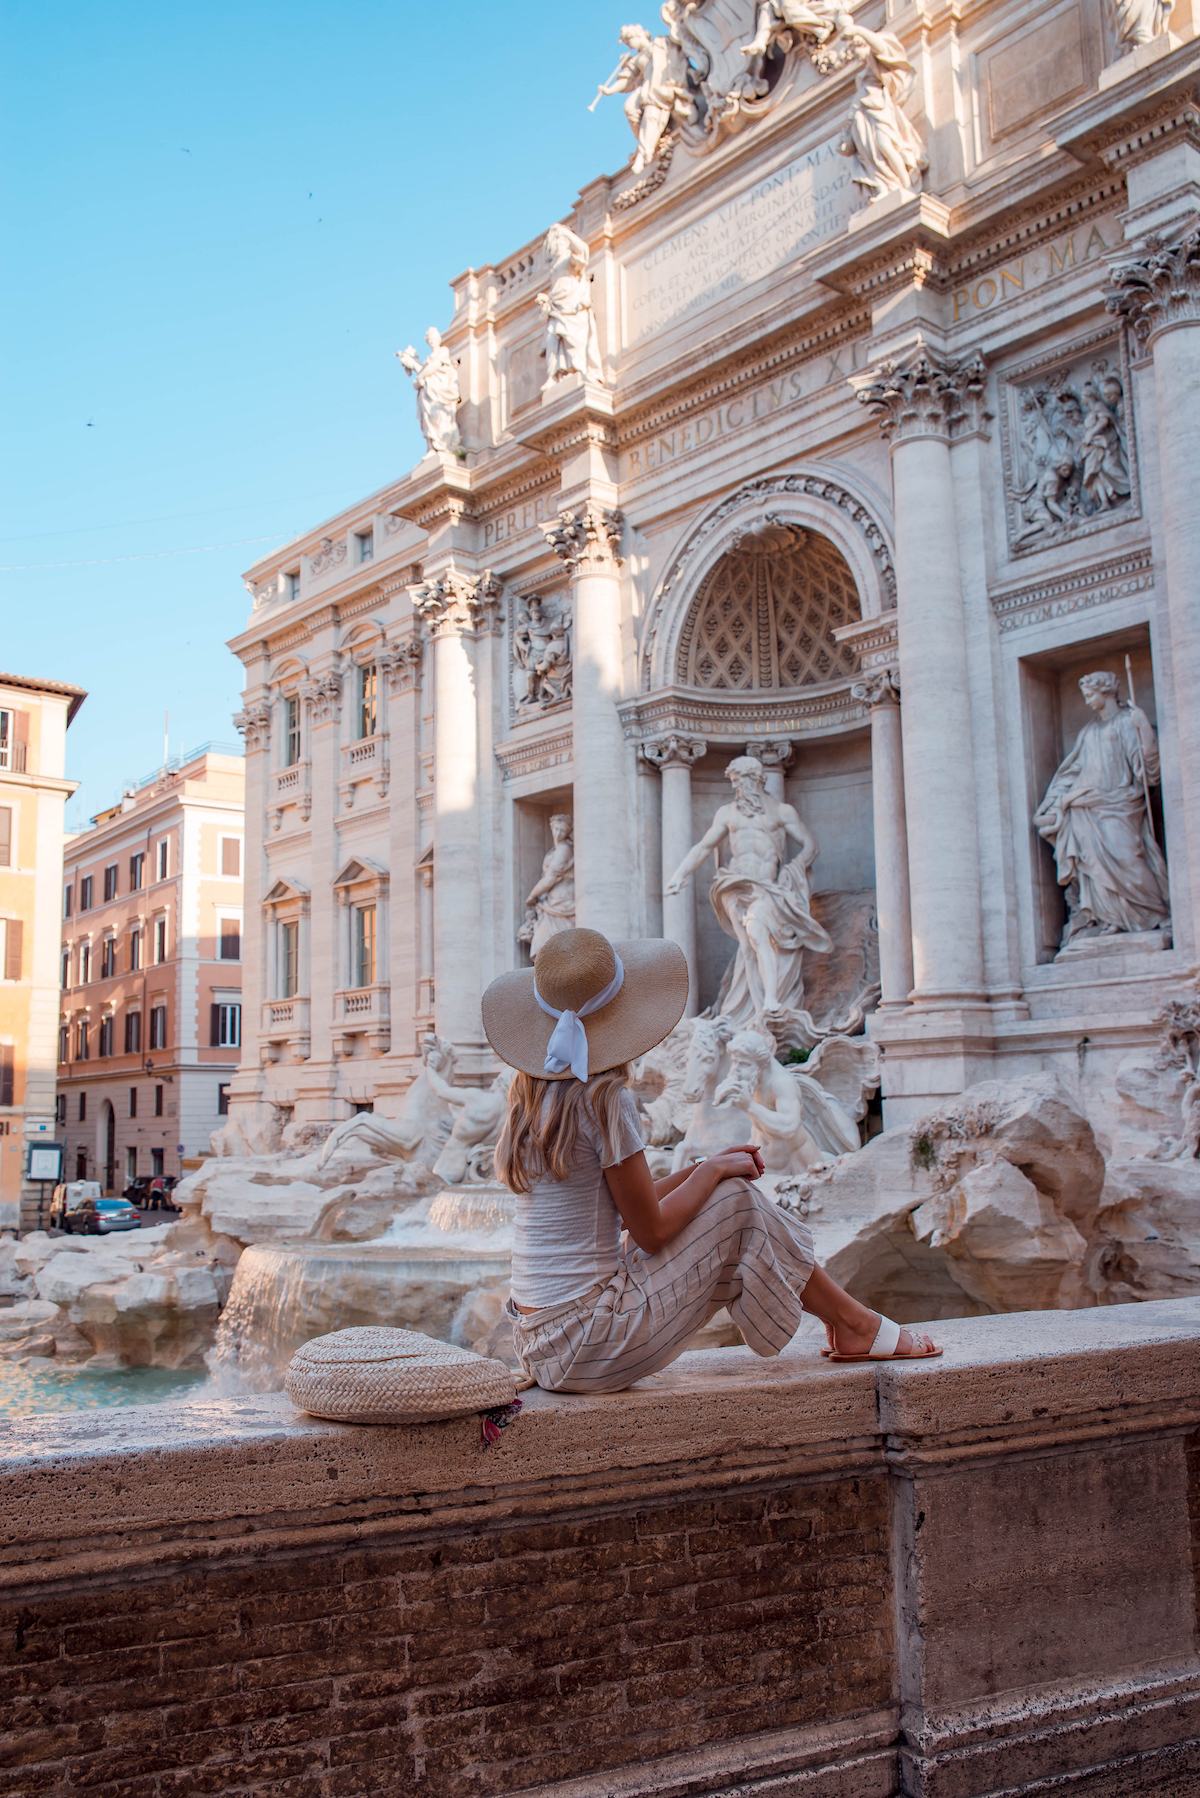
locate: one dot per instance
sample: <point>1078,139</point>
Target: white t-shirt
<point>567,1233</point>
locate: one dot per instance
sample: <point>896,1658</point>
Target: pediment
<point>286,888</point>
<point>359,869</point>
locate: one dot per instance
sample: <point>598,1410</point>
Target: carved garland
<point>810,487</point>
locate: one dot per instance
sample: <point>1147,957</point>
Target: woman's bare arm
<point>655,1216</point>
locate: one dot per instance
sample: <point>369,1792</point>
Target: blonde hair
<point>540,1138</point>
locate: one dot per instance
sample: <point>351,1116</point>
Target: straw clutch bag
<point>393,1376</point>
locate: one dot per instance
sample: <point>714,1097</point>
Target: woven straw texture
<point>393,1376</point>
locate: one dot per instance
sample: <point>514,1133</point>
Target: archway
<point>764,616</point>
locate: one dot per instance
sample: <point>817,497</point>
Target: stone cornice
<point>534,755</point>
<point>724,719</point>
<point>1057,596</point>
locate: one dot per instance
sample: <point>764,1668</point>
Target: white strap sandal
<point>886,1343</point>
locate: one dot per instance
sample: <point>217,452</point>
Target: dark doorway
<point>110,1148</point>
<point>81,1164</point>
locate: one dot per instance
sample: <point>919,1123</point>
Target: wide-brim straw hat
<point>572,967</point>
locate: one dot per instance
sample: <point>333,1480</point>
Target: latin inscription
<point>1057,258</point>
<point>781,216</point>
<point>518,520</point>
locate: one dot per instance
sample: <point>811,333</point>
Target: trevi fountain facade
<point>803,567</point>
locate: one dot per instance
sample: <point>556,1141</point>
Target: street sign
<point>45,1162</point>
<point>179,1147</point>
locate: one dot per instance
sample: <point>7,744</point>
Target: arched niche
<point>838,522</point>
<point>765,615</point>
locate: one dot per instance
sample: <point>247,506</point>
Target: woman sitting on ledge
<point>593,1313</point>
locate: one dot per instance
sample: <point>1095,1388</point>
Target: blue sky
<point>221,222</point>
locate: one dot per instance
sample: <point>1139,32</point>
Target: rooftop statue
<point>438,393</point>
<point>887,146</point>
<point>653,72</point>
<point>1140,21</point>
<point>572,343</point>
<point>778,19</point>
<point>1096,817</point>
<point>761,901</point>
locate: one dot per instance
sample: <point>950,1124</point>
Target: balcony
<point>364,762</point>
<point>286,1030</point>
<point>14,758</point>
<point>291,786</point>
<point>362,1021</point>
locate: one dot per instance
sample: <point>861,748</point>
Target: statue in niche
<point>1140,21</point>
<point>572,342</point>
<point>653,73</point>
<point>541,656</point>
<point>886,145</point>
<point>550,907</point>
<point>1096,816</point>
<point>1072,454</point>
<point>438,393</point>
<point>761,900</point>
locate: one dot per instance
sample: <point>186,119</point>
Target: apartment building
<point>151,972</point>
<point>34,715</point>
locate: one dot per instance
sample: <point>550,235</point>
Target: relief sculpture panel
<point>1070,459</point>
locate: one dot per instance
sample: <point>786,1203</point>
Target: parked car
<point>67,1195</point>
<point>100,1217</point>
<point>138,1191</point>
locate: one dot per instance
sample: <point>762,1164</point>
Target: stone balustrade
<point>964,1578</point>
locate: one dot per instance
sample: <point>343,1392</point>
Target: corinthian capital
<point>927,394</point>
<point>255,725</point>
<point>586,540</point>
<point>771,752</point>
<point>881,688</point>
<point>674,752</point>
<point>401,662</point>
<point>1161,287</point>
<point>459,604</point>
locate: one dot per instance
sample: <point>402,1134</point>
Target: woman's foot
<point>848,1341</point>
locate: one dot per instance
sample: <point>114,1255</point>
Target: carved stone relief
<point>330,555</point>
<point>1070,458</point>
<point>541,655</point>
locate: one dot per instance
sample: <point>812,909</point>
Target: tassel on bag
<point>492,1422</point>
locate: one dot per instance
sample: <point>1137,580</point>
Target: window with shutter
<point>214,1026</point>
<point>231,857</point>
<point>5,836</point>
<point>7,1081</point>
<point>133,1032</point>
<point>21,746</point>
<point>14,937</point>
<point>231,939</point>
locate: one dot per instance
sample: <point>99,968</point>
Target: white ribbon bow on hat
<point>568,1045</point>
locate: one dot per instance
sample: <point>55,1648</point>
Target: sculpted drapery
<point>1094,816</point>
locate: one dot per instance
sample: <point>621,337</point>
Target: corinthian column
<point>675,757</point>
<point>455,611</point>
<point>882,693</point>
<point>1159,294</point>
<point>587,542</point>
<point>919,400</point>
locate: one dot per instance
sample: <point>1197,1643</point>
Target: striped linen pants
<point>741,1251</point>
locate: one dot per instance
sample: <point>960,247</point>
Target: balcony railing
<point>15,757</point>
<point>363,1012</point>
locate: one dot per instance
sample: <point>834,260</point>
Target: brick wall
<point>472,1661</point>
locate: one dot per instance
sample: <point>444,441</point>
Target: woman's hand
<point>741,1162</point>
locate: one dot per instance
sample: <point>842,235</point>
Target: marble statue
<point>415,1137</point>
<point>795,1122</point>
<point>1140,21</point>
<point>653,73</point>
<point>778,19</point>
<point>572,342</point>
<point>478,1115</point>
<point>762,902</point>
<point>1103,461</point>
<point>550,907</point>
<point>887,146</point>
<point>438,393</point>
<point>1096,817</point>
<point>707,1124</point>
<point>541,655</point>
